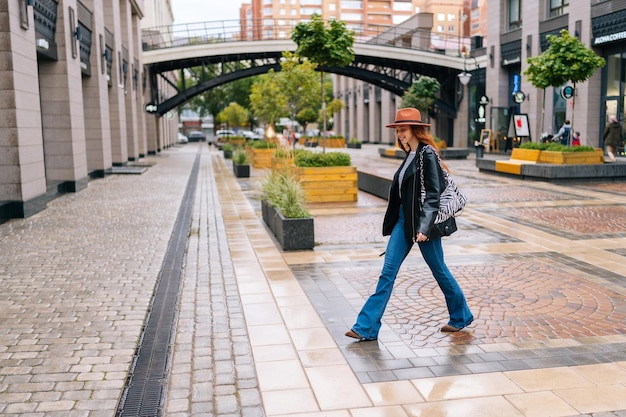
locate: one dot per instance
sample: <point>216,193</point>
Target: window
<point>350,4</point>
<point>293,12</point>
<point>402,7</point>
<point>558,7</point>
<point>441,17</point>
<point>351,16</point>
<point>451,29</point>
<point>439,28</point>
<point>451,17</point>
<point>332,7</point>
<point>515,15</point>
<point>282,12</point>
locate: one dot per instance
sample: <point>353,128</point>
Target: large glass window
<point>558,7</point>
<point>515,14</point>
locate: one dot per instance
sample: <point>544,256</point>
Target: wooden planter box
<point>562,158</point>
<point>526,154</point>
<point>328,184</point>
<point>292,234</point>
<point>261,158</point>
<point>241,171</point>
<point>571,158</point>
<point>236,142</point>
<point>333,142</point>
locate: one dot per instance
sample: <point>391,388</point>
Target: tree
<point>422,94</point>
<point>567,59</point>
<point>266,99</point>
<point>324,46</point>
<point>298,82</point>
<point>234,114</point>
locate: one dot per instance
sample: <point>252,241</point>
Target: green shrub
<point>283,153</point>
<point>228,147</point>
<point>283,191</point>
<point>240,157</point>
<point>305,158</point>
<point>555,147</point>
<point>261,144</point>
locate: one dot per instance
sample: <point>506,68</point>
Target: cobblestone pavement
<point>258,331</point>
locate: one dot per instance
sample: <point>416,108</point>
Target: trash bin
<point>480,150</point>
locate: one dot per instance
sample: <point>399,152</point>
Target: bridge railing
<point>280,29</point>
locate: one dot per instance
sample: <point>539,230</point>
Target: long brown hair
<point>423,136</point>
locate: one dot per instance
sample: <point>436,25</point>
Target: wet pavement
<point>258,331</point>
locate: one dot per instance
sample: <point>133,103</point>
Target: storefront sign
<point>610,38</point>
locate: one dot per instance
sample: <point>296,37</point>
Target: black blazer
<point>416,218</point>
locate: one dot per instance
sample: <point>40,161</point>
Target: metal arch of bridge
<point>388,67</point>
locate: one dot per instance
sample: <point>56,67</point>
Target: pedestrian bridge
<point>391,58</point>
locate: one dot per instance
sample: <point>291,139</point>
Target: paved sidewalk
<point>258,331</point>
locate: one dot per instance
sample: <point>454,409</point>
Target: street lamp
<point>465,76</point>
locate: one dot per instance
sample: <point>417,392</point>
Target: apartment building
<point>72,103</point>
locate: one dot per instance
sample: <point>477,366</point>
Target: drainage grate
<point>147,379</point>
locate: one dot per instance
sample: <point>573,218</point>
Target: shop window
<point>515,14</point>
<point>558,8</point>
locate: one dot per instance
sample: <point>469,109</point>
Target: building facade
<point>518,30</point>
<point>72,97</point>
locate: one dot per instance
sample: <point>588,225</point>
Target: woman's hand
<point>421,237</point>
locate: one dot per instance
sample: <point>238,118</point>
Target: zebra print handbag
<point>452,200</point>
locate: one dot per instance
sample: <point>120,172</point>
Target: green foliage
<point>422,94</point>
<point>305,158</point>
<point>555,147</point>
<point>240,157</point>
<point>234,114</point>
<point>566,59</point>
<point>354,141</point>
<point>266,98</point>
<point>283,191</point>
<point>323,45</point>
<point>261,144</point>
<point>299,84</point>
<point>283,153</point>
<point>228,147</point>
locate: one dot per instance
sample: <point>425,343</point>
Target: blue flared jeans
<point>398,247</point>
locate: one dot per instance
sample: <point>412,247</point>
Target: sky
<point>191,11</point>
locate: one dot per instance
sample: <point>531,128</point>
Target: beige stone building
<point>71,97</point>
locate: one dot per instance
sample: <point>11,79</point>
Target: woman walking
<point>408,221</point>
<point>612,137</point>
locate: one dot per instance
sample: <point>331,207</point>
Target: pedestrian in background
<point>612,137</point>
<point>563,133</point>
<point>576,139</point>
<point>408,221</point>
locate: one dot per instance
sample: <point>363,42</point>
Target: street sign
<point>483,100</point>
<point>151,108</point>
<point>519,97</point>
<point>567,92</point>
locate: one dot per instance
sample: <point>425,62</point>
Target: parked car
<point>250,135</point>
<point>196,136</point>
<point>182,138</point>
<point>224,133</point>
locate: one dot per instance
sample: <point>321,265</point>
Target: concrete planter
<point>353,145</point>
<point>241,171</point>
<point>292,234</point>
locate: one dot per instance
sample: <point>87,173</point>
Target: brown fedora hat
<point>408,116</point>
